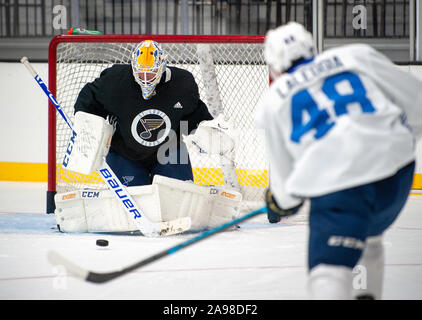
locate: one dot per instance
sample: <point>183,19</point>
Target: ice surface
<point>257,261</point>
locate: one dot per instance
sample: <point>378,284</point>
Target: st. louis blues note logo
<point>149,125</point>
<point>146,123</point>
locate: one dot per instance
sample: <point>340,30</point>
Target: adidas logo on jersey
<point>178,106</point>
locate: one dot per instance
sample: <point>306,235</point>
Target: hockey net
<point>237,69</point>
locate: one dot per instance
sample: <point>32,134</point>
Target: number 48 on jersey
<point>318,118</point>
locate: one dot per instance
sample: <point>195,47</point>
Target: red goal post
<point>239,72</point>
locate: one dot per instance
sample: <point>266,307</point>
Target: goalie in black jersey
<point>151,103</point>
<point>151,110</point>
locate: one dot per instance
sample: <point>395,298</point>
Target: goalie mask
<point>148,65</point>
<point>285,45</point>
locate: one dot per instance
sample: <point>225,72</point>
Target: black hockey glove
<point>274,212</point>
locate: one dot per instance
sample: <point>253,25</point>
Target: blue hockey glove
<point>274,212</point>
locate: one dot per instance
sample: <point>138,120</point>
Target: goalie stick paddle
<point>147,227</point>
<point>101,277</point>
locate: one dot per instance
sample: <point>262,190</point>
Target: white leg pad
<point>226,206</point>
<point>372,262</point>
<point>330,282</point>
<point>166,199</point>
<point>208,207</point>
<point>99,211</point>
<point>70,212</point>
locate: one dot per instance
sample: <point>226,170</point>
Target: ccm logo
<point>90,194</point>
<point>115,186</point>
<point>346,242</point>
<point>69,149</point>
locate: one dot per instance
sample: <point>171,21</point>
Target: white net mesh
<point>241,75</point>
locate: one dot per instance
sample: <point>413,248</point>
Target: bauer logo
<point>120,193</point>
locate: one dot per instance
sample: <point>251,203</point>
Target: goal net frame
<point>116,39</point>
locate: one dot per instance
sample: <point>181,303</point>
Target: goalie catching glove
<point>274,212</point>
<point>216,138</point>
<point>212,137</point>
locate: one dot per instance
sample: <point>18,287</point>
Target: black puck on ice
<point>102,243</point>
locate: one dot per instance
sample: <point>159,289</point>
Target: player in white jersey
<point>340,130</point>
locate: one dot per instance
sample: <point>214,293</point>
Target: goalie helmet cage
<point>231,75</point>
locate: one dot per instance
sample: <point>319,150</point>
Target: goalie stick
<point>147,227</point>
<point>56,258</point>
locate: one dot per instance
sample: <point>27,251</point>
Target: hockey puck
<point>102,243</point>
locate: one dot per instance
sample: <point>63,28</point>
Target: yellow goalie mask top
<point>148,65</point>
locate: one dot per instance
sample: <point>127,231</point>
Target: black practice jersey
<point>144,125</point>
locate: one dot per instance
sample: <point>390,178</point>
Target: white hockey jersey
<point>346,118</point>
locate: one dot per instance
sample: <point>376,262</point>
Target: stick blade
<point>57,259</point>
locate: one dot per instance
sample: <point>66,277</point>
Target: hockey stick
<point>101,277</point>
<point>147,227</point>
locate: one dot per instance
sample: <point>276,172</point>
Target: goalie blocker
<point>86,151</point>
<point>166,199</point>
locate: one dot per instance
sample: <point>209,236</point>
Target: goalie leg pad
<point>70,212</point>
<point>226,206</point>
<point>166,199</point>
<point>99,211</point>
<point>207,207</point>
